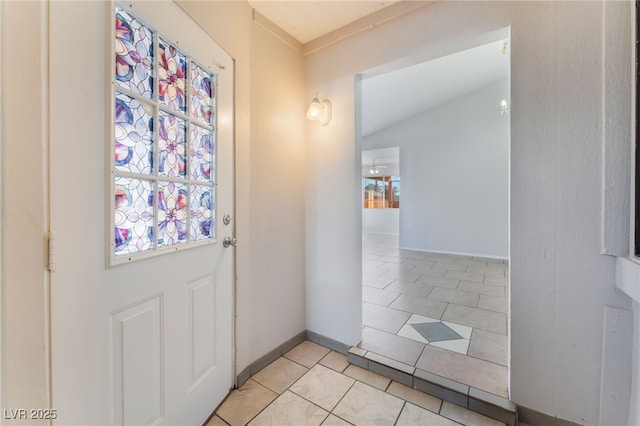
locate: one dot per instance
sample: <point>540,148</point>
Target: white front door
<point>142,313</point>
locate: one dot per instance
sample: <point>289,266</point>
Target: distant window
<point>163,149</point>
<point>382,192</point>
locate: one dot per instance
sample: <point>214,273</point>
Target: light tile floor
<point>311,385</point>
<point>405,288</point>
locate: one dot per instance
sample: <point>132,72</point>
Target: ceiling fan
<point>375,169</point>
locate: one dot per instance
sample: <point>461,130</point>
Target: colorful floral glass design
<point>202,94</point>
<point>172,75</point>
<point>133,131</point>
<point>172,213</point>
<point>201,212</point>
<point>201,153</point>
<point>163,153</point>
<point>133,215</point>
<point>134,54</point>
<point>171,145</point>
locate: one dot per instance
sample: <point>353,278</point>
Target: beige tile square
<point>427,307</point>
<point>414,396</point>
<point>378,296</point>
<point>499,281</point>
<point>383,318</point>
<point>477,318</point>
<point>216,421</point>
<point>410,275</point>
<point>466,417</point>
<point>367,377</point>
<point>438,282</point>
<point>414,289</point>
<point>430,272</point>
<point>496,304</point>
<point>243,404</point>
<point>472,262</point>
<point>471,371</point>
<point>454,296</point>
<point>488,289</point>
<point>392,346</point>
<point>333,420</point>
<point>489,346</point>
<point>467,276</point>
<point>280,374</point>
<point>376,282</point>
<point>322,386</point>
<point>450,266</point>
<point>413,415</point>
<point>365,405</point>
<point>335,361</point>
<point>307,353</point>
<point>405,266</point>
<point>491,271</point>
<point>290,409</point>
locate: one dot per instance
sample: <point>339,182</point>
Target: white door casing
<point>150,341</point>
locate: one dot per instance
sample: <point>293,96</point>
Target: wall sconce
<point>504,109</point>
<point>319,110</point>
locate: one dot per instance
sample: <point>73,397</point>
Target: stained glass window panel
<point>133,135</point>
<point>202,220</point>
<point>172,75</point>
<point>133,54</point>
<point>202,94</point>
<point>172,213</point>
<point>164,143</point>
<point>202,153</point>
<point>133,215</point>
<point>172,132</point>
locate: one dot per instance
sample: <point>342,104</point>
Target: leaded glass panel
<point>201,212</point>
<point>133,135</point>
<point>172,76</point>
<point>202,153</point>
<point>133,215</point>
<point>163,142</point>
<point>172,213</point>
<point>172,132</point>
<point>133,54</point>
<point>202,93</point>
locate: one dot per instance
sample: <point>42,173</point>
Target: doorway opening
<point>436,293</point>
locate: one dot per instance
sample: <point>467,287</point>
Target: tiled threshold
<point>465,396</point>
<point>477,400</point>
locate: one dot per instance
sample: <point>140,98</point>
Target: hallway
<point>445,314</point>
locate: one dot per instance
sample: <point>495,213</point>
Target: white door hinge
<point>51,251</point>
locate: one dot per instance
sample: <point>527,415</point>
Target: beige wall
<point>270,149</point>
<point>278,150</point>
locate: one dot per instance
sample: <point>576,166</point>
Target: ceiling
<point>398,95</point>
<point>307,20</point>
